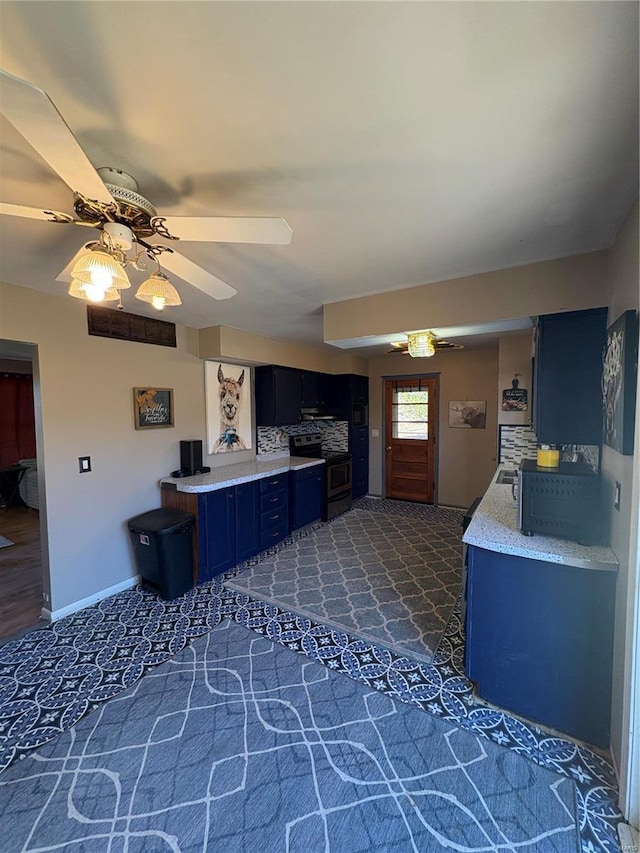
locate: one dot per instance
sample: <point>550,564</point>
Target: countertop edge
<point>220,478</point>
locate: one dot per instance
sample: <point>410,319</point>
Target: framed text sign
<point>153,407</point>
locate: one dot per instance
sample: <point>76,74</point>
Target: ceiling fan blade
<point>34,213</point>
<point>34,115</point>
<point>195,275</point>
<point>65,274</point>
<point>227,229</point>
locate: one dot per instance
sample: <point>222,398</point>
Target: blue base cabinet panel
<point>306,496</point>
<point>228,527</point>
<point>359,446</point>
<point>274,509</point>
<point>540,641</point>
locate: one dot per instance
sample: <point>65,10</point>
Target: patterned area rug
<point>4,542</point>
<point>238,744</point>
<point>388,576</point>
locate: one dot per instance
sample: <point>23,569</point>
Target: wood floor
<point>20,571</point>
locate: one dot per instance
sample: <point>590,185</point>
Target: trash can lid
<point>163,520</point>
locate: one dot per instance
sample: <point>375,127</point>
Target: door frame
<point>436,420</point>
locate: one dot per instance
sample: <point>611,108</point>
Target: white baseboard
<point>54,615</point>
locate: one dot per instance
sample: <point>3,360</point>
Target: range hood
<point>317,415</point>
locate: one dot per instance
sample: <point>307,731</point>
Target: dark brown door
<point>410,412</point>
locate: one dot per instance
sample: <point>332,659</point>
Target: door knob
<point>388,448</point>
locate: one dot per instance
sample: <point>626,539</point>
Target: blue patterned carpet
<point>388,574</point>
<point>238,744</point>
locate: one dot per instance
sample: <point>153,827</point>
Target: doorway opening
<point>23,581</point>
<point>410,406</point>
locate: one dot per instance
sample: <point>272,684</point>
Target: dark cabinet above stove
<point>278,395</point>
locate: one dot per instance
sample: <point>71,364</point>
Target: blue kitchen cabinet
<point>278,393</point>
<point>306,496</point>
<point>274,509</point>
<point>567,395</point>
<point>359,446</point>
<point>539,640</point>
<point>228,528</point>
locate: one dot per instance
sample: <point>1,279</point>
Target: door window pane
<point>410,414</point>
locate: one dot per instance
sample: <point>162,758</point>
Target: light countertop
<point>494,526</point>
<point>241,472</point>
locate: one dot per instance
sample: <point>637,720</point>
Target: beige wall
<point>545,288</point>
<point>624,278</point>
<point>85,391</point>
<point>466,458</point>
<point>237,345</point>
<point>514,356</point>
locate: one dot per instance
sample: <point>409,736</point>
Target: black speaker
<point>191,456</point>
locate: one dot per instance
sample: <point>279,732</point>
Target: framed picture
<point>152,407</point>
<point>620,370</point>
<point>468,414</point>
<point>228,399</point>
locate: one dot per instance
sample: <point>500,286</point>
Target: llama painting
<point>228,395</point>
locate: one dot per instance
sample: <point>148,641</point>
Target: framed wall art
<point>619,376</point>
<point>468,414</point>
<point>152,407</point>
<point>228,398</point>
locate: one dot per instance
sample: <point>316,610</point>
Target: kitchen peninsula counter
<point>240,472</point>
<point>494,526</point>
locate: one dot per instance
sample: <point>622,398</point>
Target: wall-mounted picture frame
<point>228,401</point>
<point>619,376</point>
<point>152,407</point>
<point>468,414</point>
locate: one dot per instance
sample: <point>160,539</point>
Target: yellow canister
<point>547,457</point>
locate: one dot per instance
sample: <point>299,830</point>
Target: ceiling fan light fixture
<point>99,268</point>
<point>92,292</point>
<point>421,344</point>
<point>159,292</point>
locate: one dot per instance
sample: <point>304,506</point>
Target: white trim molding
<point>54,615</point>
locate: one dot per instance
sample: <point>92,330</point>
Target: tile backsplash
<point>520,442</point>
<point>335,435</point>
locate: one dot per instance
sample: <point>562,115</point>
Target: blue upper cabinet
<point>568,377</point>
<point>278,395</point>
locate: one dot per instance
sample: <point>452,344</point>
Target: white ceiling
<point>404,143</point>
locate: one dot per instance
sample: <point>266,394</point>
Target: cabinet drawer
<point>308,473</point>
<point>270,484</point>
<point>273,518</point>
<point>274,535</point>
<point>273,500</point>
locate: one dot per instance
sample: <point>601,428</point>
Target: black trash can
<point>163,547</point>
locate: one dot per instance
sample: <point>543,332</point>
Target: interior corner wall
<point>624,295</point>
<point>86,399</point>
<point>467,458</point>
<point>514,357</point>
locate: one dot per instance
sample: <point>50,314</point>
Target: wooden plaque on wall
<point>110,323</point>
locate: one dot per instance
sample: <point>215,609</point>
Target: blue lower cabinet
<point>360,476</point>
<point>274,510</point>
<point>217,526</point>
<point>306,493</point>
<point>539,640</point>
<point>228,528</point>
<point>247,521</point>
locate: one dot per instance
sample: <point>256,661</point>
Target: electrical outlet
<point>616,496</point>
<point>84,464</point>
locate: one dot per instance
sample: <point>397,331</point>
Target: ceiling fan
<point>108,200</point>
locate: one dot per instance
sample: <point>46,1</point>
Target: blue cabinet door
<point>219,532</point>
<point>540,641</point>
<point>247,521</point>
<point>307,496</point>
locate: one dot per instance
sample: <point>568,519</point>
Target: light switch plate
<point>84,463</point>
<point>616,496</point>
<point>375,433</point>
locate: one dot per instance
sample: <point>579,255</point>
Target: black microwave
<point>563,501</point>
<point>360,414</point>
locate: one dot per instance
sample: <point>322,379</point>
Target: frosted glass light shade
<point>159,292</point>
<point>92,293</point>
<point>421,345</point>
<point>99,268</point>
